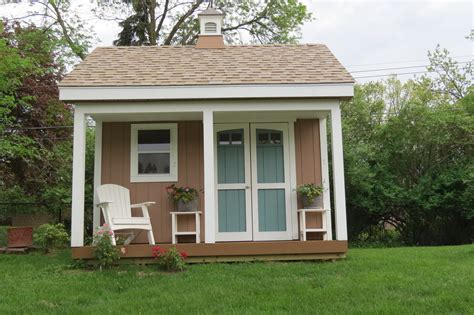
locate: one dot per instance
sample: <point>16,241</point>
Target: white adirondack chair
<point>114,200</point>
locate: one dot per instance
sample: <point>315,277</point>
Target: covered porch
<point>202,130</point>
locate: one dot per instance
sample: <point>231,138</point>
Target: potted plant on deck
<point>311,195</point>
<point>185,198</point>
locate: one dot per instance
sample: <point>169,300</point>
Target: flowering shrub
<point>105,253</point>
<point>51,236</point>
<point>185,194</point>
<point>170,260</point>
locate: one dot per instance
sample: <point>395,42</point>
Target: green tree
<point>35,148</point>
<point>60,18</point>
<point>174,21</point>
<point>409,157</point>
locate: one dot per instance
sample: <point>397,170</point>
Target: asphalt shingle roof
<point>187,65</point>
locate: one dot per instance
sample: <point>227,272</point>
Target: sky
<point>367,35</point>
<point>376,34</point>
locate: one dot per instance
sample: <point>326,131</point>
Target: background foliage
<point>408,146</point>
<point>409,157</point>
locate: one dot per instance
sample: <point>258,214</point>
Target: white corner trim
<point>293,183</point>
<point>323,141</point>
<point>97,172</point>
<point>139,178</point>
<point>67,93</point>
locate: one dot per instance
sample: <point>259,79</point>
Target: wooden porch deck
<point>236,251</point>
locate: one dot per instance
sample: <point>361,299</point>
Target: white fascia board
<point>342,90</point>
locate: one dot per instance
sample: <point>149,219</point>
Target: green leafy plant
<point>170,260</point>
<point>185,194</point>
<point>310,191</point>
<point>51,237</point>
<point>105,252</point>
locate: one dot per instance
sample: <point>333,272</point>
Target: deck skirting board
<point>235,251</point>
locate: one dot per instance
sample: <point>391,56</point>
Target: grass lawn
<point>393,280</point>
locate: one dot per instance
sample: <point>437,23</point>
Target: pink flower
<point>111,233</point>
<point>100,232</point>
<point>105,224</point>
<point>183,255</point>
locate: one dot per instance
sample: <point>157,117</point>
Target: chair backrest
<point>120,201</point>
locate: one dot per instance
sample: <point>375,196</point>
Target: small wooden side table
<point>304,229</point>
<point>174,225</point>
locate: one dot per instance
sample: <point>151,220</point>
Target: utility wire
<point>399,68</point>
<point>391,74</point>
<point>395,62</point>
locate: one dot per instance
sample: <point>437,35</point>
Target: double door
<point>253,186</point>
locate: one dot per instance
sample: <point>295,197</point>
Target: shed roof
<point>187,66</point>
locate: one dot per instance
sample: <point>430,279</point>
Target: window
<point>154,153</point>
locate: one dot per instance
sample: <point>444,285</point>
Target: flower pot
<point>20,236</point>
<point>316,204</point>
<point>187,206</point>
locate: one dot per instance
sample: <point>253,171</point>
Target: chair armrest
<point>139,205</point>
<point>103,203</point>
<point>144,206</point>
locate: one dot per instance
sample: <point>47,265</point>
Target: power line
<point>391,74</point>
<point>39,128</point>
<point>398,68</point>
<point>407,61</point>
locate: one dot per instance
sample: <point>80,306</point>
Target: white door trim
<point>235,236</point>
<point>280,235</point>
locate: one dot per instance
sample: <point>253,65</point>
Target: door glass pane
<point>224,138</point>
<point>230,157</point>
<point>270,159</point>
<point>275,138</point>
<point>262,137</point>
<point>153,140</point>
<point>153,163</point>
<point>271,210</point>
<point>231,207</point>
<point>236,138</point>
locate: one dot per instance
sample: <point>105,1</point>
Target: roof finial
<point>211,3</point>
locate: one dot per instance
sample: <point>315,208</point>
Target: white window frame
<point>138,178</point>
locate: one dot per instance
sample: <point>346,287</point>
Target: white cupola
<point>210,25</point>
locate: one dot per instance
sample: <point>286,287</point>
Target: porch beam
<point>325,173</point>
<point>97,171</point>
<point>209,178</point>
<point>195,106</point>
<point>338,175</point>
<point>78,179</point>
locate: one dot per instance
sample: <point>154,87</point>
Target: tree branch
<point>181,21</point>
<point>163,16</point>
<point>77,50</point>
<point>248,22</point>
<point>152,23</point>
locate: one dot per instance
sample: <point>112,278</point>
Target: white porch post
<point>97,171</point>
<point>323,140</point>
<point>209,185</point>
<point>78,179</point>
<point>338,174</point>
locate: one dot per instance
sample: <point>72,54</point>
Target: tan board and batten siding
<point>116,169</point>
